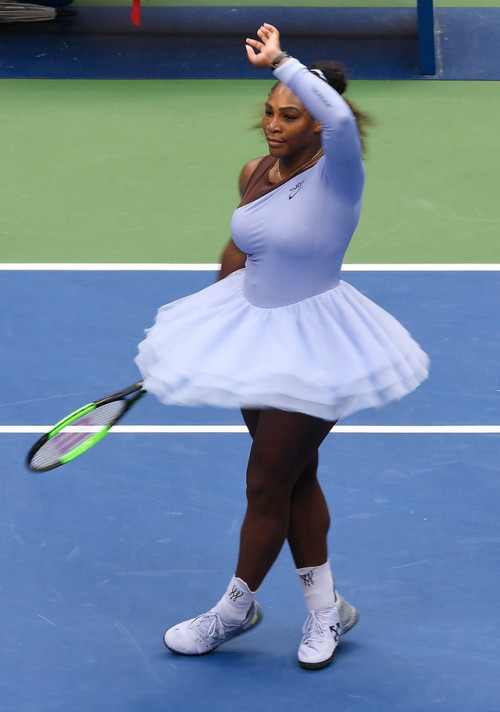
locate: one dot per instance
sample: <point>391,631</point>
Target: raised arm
<point>339,136</point>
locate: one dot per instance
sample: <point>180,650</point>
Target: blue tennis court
<point>100,556</point>
<point>103,554</point>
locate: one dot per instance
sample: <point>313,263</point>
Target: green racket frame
<point>94,438</point>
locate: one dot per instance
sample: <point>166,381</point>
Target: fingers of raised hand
<point>268,34</point>
<point>269,30</point>
<point>255,44</point>
<point>255,58</point>
<point>259,51</point>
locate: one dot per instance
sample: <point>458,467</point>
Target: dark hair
<point>334,73</point>
<point>335,76</point>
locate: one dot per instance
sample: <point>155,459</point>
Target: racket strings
<point>85,428</point>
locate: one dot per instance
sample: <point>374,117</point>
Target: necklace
<point>311,160</point>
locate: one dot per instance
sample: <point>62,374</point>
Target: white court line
<point>232,429</point>
<point>111,267</point>
<point>206,267</point>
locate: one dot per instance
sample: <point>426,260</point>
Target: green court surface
<point>146,171</point>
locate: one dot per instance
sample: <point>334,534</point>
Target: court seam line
<point>210,267</point>
<point>235,429</point>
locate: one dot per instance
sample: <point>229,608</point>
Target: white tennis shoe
<point>348,615</point>
<point>320,640</point>
<point>203,634</point>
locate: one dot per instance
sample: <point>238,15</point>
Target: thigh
<point>284,443</point>
<point>251,418</point>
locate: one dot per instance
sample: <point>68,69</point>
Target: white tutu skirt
<point>328,356</point>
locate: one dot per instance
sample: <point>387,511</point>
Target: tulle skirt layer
<point>328,356</point>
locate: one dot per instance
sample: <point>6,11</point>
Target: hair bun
<point>334,73</point>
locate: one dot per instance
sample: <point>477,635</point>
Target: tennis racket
<point>81,430</point>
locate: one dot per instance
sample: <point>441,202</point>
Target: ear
<point>317,127</point>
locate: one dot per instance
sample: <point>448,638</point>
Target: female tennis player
<point>282,337</point>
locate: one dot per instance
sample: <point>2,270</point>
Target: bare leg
<point>281,482</point>
<point>284,500</point>
<point>309,519</point>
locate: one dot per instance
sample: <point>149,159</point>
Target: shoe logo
<point>335,631</point>
<point>293,191</point>
<point>308,579</point>
<point>235,593</point>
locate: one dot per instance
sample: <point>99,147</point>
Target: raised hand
<point>263,52</point>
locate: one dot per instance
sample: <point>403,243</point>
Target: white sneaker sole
<point>321,664</point>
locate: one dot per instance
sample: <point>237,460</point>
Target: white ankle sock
<point>318,587</point>
<point>234,604</point>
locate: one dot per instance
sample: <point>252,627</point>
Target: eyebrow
<point>286,108</point>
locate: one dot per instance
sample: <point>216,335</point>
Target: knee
<point>308,476</point>
<point>265,490</point>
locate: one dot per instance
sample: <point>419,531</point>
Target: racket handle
<point>121,394</point>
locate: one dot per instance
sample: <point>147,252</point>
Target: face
<point>290,130</point>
